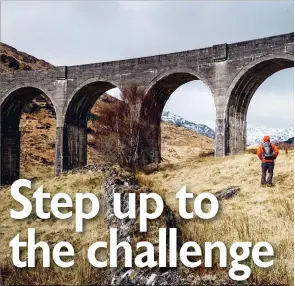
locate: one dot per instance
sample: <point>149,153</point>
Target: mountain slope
<point>277,135</point>
<point>12,59</point>
<point>254,134</point>
<point>179,121</point>
<point>290,141</point>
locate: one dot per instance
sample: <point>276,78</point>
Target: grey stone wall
<point>232,72</point>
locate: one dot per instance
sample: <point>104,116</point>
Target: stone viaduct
<point>232,72</point>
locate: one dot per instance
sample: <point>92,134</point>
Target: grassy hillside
<point>12,59</point>
<point>255,214</point>
<point>177,143</point>
<point>38,130</point>
<point>53,231</point>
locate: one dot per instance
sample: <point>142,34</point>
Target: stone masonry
<point>232,72</point>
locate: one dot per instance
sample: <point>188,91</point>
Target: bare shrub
<point>122,132</point>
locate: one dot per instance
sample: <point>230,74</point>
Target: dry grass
<point>53,231</point>
<point>38,134</point>
<point>22,61</point>
<point>255,214</point>
<point>177,142</point>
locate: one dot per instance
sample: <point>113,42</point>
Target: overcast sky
<point>70,33</point>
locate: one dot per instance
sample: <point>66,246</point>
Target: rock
<point>148,277</point>
<point>227,193</point>
<point>128,230</point>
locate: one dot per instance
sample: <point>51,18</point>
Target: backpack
<point>267,151</point>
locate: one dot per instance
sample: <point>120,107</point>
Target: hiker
<point>267,153</point>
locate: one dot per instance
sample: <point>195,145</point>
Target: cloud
<point>271,110</point>
<point>80,32</point>
<point>194,102</point>
<point>75,32</point>
<point>272,104</point>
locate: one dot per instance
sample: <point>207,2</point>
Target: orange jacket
<point>260,153</point>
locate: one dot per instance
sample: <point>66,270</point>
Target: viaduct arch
<point>74,132</point>
<point>232,72</point>
<point>11,108</point>
<point>157,94</point>
<point>241,91</point>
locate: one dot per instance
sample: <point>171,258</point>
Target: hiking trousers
<point>267,167</point>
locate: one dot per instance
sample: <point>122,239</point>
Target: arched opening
<point>240,96</point>
<point>100,136</point>
<point>271,110</point>
<point>180,95</point>
<point>77,115</point>
<point>28,128</point>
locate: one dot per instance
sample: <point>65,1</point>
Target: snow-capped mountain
<point>179,121</point>
<point>254,134</point>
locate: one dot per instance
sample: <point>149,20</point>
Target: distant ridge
<point>254,134</point>
<point>179,121</point>
<point>12,59</point>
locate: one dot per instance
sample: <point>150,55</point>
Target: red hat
<point>266,139</point>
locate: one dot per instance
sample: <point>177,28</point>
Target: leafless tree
<point>125,128</point>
